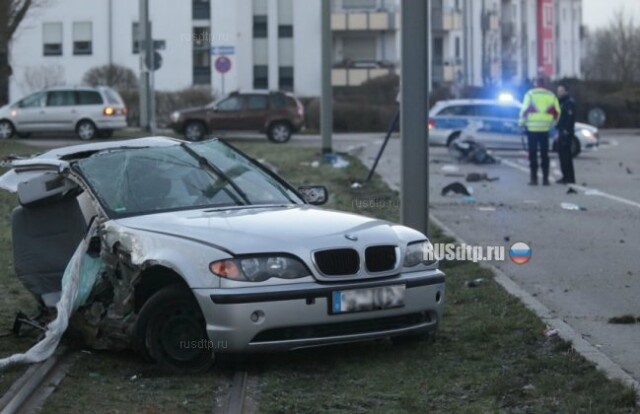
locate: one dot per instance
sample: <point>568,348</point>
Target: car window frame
<point>255,95</point>
<point>91,92</point>
<point>43,102</point>
<point>239,97</point>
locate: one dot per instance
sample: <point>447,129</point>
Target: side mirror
<point>314,194</point>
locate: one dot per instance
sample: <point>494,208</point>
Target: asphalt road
<point>585,265</point>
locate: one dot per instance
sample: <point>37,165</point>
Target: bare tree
<point>115,76</point>
<point>12,12</point>
<point>36,78</point>
<point>613,51</point>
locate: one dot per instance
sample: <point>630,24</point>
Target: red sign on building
<point>546,38</point>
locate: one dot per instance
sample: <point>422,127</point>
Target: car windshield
<point>208,174</point>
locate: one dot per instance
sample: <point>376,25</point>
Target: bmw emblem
<point>351,237</point>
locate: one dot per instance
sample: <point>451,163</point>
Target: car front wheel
<point>86,130</point>
<point>172,329</point>
<point>279,132</point>
<point>6,130</point>
<point>194,131</point>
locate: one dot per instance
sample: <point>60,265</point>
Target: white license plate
<point>362,300</point>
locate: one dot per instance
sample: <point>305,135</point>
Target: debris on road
<point>475,177</point>
<point>572,207</point>
<point>571,190</point>
<point>355,185</point>
<point>629,171</point>
<point>315,164</point>
<point>470,151</point>
<point>449,168</point>
<point>549,332</point>
<point>507,239</point>
<point>469,199</point>
<point>456,188</point>
<point>624,320</point>
<point>474,283</point>
<point>486,209</point>
<point>456,175</point>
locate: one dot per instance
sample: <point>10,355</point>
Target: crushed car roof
<point>67,153</point>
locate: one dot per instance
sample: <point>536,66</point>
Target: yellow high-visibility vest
<point>540,110</point>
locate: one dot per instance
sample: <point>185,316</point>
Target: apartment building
<point>275,44</point>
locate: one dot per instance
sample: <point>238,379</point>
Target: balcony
<point>364,20</point>
<point>446,19</point>
<point>359,72</point>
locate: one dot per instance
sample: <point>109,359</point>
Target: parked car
<point>89,112</point>
<point>204,250</point>
<point>494,124</point>
<point>279,114</point>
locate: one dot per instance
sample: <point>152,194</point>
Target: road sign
<point>222,64</point>
<point>223,50</point>
<point>156,63</point>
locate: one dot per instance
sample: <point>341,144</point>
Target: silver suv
<point>90,112</point>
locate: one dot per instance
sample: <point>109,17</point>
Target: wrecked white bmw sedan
<point>182,250</point>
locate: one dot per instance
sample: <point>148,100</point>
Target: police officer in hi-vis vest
<point>540,111</point>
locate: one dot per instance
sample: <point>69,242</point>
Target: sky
<point>598,13</point>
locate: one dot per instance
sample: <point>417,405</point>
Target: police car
<point>493,123</point>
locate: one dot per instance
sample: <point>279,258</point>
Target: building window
<point>457,47</point>
<point>82,44</point>
<point>261,77</point>
<point>201,9</point>
<point>259,26</point>
<point>359,4</point>
<point>285,31</point>
<point>285,78</point>
<point>52,39</point>
<point>201,56</point>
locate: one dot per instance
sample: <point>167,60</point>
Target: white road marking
<point>586,190</point>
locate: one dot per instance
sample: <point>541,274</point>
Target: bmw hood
<point>295,229</point>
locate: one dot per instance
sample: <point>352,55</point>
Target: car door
<point>61,110</point>
<point>255,116</point>
<point>226,114</point>
<point>497,126</point>
<point>27,114</point>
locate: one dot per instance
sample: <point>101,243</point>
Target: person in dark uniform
<point>566,130</point>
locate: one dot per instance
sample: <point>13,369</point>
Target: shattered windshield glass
<point>209,174</point>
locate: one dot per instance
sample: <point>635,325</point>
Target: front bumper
<point>297,315</point>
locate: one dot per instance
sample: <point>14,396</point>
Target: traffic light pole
<point>413,114</point>
<point>145,47</point>
<point>326,101</point>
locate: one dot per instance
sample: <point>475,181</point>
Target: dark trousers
<point>538,140</point>
<point>566,159</point>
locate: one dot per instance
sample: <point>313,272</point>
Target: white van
<point>90,112</point>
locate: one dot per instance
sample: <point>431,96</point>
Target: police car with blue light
<point>494,124</point>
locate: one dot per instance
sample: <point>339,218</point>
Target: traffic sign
<point>156,63</point>
<point>223,50</point>
<point>222,64</point>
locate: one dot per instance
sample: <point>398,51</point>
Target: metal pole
<point>413,116</point>
<point>326,111</point>
<point>143,38</point>
<point>390,129</point>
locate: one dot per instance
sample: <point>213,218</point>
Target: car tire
<point>24,135</point>
<point>6,129</point>
<point>279,132</point>
<point>194,131</point>
<point>105,133</point>
<point>575,147</point>
<point>86,130</point>
<point>171,331</point>
<point>452,138</point>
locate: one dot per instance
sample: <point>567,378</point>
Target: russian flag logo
<point>520,253</point>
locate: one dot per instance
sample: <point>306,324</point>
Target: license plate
<point>362,300</point>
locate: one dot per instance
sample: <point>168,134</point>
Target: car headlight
<point>588,134</point>
<point>260,268</point>
<point>175,116</point>
<point>420,253</point>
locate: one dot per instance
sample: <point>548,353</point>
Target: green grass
<point>489,356</point>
